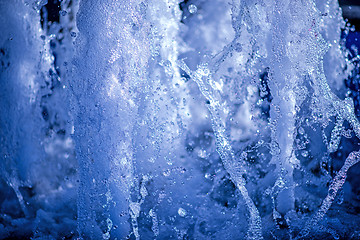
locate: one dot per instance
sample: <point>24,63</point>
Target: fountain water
<point>176,119</point>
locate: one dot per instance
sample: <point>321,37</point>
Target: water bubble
<point>182,212</point>
<point>184,101</point>
<point>143,191</point>
<point>202,154</point>
<point>106,236</point>
<point>305,153</point>
<point>274,148</point>
<point>135,208</point>
<point>192,8</point>
<point>166,173</point>
<point>301,130</point>
<point>267,191</point>
<point>168,68</point>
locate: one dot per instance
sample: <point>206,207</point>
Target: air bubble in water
<point>182,212</point>
<point>305,153</point>
<point>301,131</point>
<point>192,8</point>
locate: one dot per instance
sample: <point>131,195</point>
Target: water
<point>178,119</point>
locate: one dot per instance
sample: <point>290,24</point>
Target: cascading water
<point>169,119</point>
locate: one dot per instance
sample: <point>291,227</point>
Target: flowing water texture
<point>170,119</point>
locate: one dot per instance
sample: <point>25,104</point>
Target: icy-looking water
<point>170,119</point>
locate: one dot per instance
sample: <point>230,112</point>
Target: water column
<point>295,48</point>
<point>282,111</point>
<point>109,76</point>
<point>21,78</point>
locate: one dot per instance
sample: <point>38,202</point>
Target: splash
<point>174,119</point>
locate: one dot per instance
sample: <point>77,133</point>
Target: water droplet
<point>301,130</point>
<point>182,212</point>
<point>166,173</point>
<point>305,153</point>
<point>202,154</point>
<point>192,8</point>
<point>274,148</point>
<point>106,236</point>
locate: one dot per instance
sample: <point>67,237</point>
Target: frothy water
<point>177,120</point>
